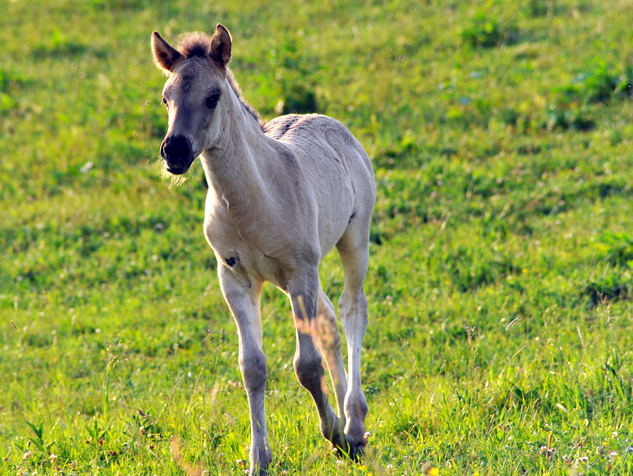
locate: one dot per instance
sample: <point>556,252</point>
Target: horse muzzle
<point>178,154</point>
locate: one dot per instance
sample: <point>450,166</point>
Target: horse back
<point>314,137</point>
<point>335,166</point>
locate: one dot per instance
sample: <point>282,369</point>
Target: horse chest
<point>247,258</point>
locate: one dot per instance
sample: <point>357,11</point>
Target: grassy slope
<point>501,323</point>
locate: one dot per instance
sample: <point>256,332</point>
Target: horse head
<point>193,94</point>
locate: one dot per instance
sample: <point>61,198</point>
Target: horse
<point>281,195</point>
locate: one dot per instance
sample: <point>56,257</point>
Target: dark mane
<point>247,107</point>
<point>198,44</point>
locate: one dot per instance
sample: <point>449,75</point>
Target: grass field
<point>500,282</point>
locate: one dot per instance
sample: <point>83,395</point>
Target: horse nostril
<point>162,150</point>
<point>175,147</point>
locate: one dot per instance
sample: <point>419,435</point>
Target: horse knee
<point>356,406</point>
<point>353,299</point>
<point>309,370</point>
<point>254,370</point>
<point>353,309</point>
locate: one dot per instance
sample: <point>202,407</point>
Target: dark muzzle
<point>178,153</point>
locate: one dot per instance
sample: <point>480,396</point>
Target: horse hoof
<point>257,472</point>
<point>358,451</point>
<point>350,450</point>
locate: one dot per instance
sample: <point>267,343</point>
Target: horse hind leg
<point>354,251</point>
<point>307,361</point>
<point>328,341</point>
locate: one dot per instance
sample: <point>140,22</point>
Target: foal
<point>281,196</point>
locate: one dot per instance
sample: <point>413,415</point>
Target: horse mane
<point>247,107</point>
<point>198,44</point>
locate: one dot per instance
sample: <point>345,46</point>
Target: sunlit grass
<point>500,278</point>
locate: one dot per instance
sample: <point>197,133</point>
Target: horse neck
<point>232,166</point>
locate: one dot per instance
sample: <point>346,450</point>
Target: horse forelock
<point>194,44</point>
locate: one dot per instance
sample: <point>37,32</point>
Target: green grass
<point>500,282</point>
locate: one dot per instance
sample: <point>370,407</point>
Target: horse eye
<point>164,101</point>
<point>212,101</point>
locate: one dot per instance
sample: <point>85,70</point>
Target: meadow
<point>500,282</point>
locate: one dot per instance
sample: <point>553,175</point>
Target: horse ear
<point>164,55</point>
<point>220,52</point>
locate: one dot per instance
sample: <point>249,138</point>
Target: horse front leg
<point>304,293</point>
<point>354,251</point>
<point>242,297</point>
